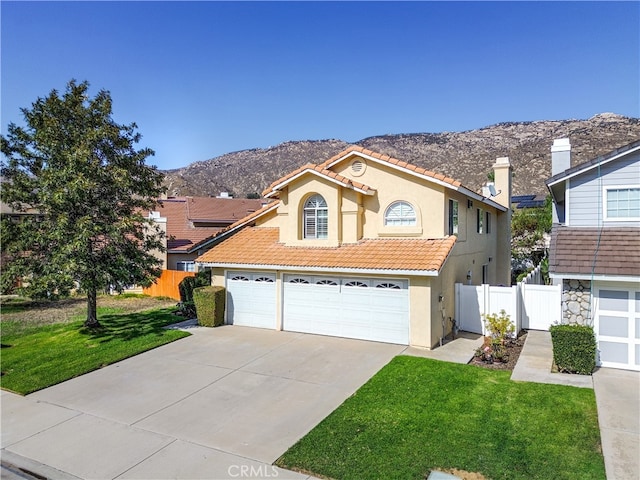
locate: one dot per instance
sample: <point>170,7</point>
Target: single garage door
<point>251,299</point>
<point>362,308</point>
<point>617,326</point>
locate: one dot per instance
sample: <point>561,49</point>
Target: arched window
<point>400,214</point>
<point>316,218</point>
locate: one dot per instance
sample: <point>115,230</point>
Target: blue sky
<point>206,78</point>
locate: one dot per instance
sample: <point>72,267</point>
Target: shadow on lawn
<point>130,326</point>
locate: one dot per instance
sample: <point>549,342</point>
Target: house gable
<point>361,187</point>
<point>580,193</point>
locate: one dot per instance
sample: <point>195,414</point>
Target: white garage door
<point>251,299</point>
<point>617,326</point>
<point>367,309</point>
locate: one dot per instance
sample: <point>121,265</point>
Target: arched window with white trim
<point>400,214</point>
<point>316,218</point>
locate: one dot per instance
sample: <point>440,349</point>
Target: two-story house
<point>595,247</point>
<point>363,246</point>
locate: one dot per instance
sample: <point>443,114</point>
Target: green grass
<point>39,356</point>
<point>419,414</point>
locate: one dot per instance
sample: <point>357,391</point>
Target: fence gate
<point>531,307</point>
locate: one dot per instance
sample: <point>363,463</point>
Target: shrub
<point>500,326</point>
<point>574,348</point>
<point>209,303</point>
<point>186,286</point>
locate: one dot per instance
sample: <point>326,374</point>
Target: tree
<point>92,191</point>
<point>529,227</point>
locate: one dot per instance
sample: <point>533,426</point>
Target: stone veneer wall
<point>576,302</point>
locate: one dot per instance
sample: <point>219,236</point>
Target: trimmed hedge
<point>574,348</point>
<point>209,303</point>
<point>186,286</point>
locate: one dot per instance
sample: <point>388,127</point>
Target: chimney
<point>501,189</point>
<point>560,156</point>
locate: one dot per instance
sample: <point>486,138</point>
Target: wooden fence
<point>167,284</point>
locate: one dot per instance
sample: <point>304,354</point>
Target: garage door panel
<point>618,326</point>
<point>614,326</point>
<point>251,299</point>
<point>347,307</point>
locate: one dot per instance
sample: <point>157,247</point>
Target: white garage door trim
<point>617,325</point>
<point>251,299</point>
<point>374,309</point>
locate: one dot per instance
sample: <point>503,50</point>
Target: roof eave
<point>595,277</point>
<point>281,185</point>
<point>599,161</point>
<point>458,188</point>
<point>302,268</point>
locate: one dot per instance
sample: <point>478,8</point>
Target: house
<point>191,222</point>
<point>363,246</point>
<point>595,247</point>
<point>527,201</point>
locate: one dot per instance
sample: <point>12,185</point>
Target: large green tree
<point>92,191</point>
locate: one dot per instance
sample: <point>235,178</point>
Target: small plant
<point>500,327</point>
<point>491,352</point>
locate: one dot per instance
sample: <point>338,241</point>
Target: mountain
<point>466,156</point>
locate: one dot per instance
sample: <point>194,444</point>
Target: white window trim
<point>605,210</point>
<point>400,230</point>
<point>450,226</point>
<point>480,230</point>
<point>399,203</point>
<point>315,210</point>
<point>189,266</point>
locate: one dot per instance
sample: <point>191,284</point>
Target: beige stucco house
<point>363,246</point>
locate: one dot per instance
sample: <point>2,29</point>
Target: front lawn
<point>419,414</point>
<point>38,355</point>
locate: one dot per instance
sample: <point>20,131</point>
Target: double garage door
<point>362,308</point>
<point>617,325</point>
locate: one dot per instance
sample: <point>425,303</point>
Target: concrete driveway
<point>223,403</point>
<point>618,399</point>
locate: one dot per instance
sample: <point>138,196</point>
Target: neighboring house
<point>191,222</point>
<point>527,201</point>
<point>363,246</point>
<point>595,247</point>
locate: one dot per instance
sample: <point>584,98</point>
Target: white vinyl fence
<point>530,306</point>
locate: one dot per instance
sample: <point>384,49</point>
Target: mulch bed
<point>514,347</point>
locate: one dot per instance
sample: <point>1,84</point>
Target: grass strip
<point>418,414</point>
<point>42,356</point>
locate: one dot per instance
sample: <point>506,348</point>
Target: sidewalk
<point>536,359</point>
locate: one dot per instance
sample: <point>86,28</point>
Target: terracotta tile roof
<point>246,220</point>
<point>577,250</point>
<point>185,213</point>
<point>261,246</point>
<point>392,161</point>
<point>320,171</point>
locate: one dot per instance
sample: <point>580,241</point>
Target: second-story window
<point>400,214</point>
<point>480,221</point>
<point>622,203</point>
<point>453,217</point>
<point>316,218</point>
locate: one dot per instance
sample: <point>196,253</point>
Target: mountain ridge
<point>466,156</point>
